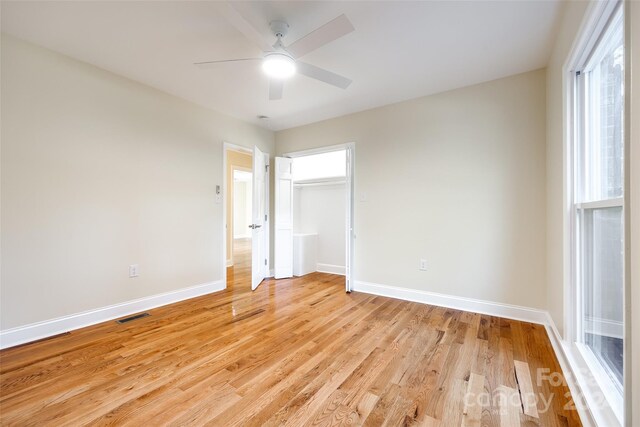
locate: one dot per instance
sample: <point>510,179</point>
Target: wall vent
<point>132,318</point>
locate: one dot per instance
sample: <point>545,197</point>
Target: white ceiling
<point>399,51</point>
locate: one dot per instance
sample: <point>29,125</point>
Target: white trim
<point>229,263</point>
<point>508,311</point>
<point>631,380</point>
<point>601,204</point>
<point>596,18</point>
<point>350,244</point>
<point>320,183</point>
<point>604,327</point>
<point>603,388</point>
<point>35,331</point>
<point>576,57</point>
<point>330,268</point>
<point>319,150</point>
<point>590,27</point>
<point>567,363</point>
<point>585,388</point>
<point>267,205</point>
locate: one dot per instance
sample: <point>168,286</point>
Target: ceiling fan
<point>281,62</point>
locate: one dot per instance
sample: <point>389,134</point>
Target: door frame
<point>350,205</point>
<point>226,146</point>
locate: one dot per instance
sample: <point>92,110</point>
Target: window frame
<point>604,399</point>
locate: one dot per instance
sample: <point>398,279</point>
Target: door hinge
<point>265,261</point>
<point>265,217</point>
<point>266,168</point>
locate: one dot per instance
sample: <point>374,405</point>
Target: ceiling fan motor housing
<point>279,28</point>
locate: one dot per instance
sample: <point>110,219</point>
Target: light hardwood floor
<point>294,352</point>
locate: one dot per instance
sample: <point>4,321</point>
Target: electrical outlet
<point>133,270</point>
<point>423,265</point>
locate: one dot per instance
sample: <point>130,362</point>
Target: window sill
<point>599,395</point>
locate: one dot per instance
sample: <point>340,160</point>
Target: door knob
<point>254,226</point>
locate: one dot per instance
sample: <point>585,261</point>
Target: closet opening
<point>314,213</point>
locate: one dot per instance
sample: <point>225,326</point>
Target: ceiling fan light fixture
<point>278,65</point>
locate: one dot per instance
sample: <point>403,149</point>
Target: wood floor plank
<point>525,385</point>
<point>510,408</point>
<point>297,352</point>
<point>472,415</point>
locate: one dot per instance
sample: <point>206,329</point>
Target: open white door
<point>349,221</point>
<point>258,250</point>
<point>283,261</point>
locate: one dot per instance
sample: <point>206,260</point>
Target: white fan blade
<point>322,75</point>
<point>211,64</point>
<point>275,89</point>
<point>329,32</point>
<point>237,20</point>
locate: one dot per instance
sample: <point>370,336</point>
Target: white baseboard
<point>229,263</point>
<point>508,311</point>
<point>330,268</point>
<point>242,236</point>
<point>35,331</point>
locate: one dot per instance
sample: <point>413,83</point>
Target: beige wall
<point>99,172</point>
<point>239,160</point>
<point>465,174</point>
<point>573,14</point>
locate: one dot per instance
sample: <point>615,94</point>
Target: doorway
<point>314,212</point>
<point>238,203</point>
<point>241,201</point>
<point>245,216</point>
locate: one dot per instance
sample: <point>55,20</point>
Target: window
<point>597,205</point>
<point>324,166</point>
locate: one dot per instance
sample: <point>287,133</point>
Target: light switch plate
<point>134,270</point>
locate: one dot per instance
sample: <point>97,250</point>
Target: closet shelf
<point>319,182</point>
